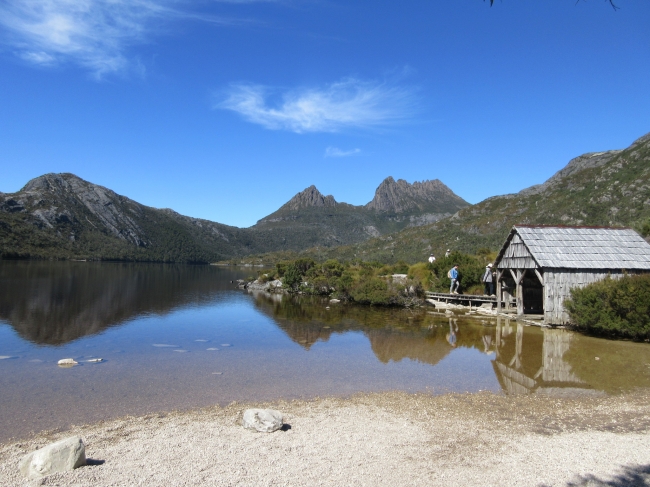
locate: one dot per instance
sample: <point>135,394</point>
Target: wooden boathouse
<point>541,264</point>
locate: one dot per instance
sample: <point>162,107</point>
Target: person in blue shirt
<point>453,274</point>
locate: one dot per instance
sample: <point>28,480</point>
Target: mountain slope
<point>312,219</point>
<point>63,216</point>
<point>601,189</point>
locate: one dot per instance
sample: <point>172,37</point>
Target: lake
<point>181,337</point>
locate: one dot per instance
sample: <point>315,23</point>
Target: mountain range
<point>62,216</point>
<point>610,188</point>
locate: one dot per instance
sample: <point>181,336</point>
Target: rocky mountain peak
<point>308,198</point>
<point>400,196</point>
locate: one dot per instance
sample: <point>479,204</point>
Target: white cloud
<point>350,103</point>
<point>336,152</point>
<point>93,33</point>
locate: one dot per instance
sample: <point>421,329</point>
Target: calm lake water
<point>179,337</point>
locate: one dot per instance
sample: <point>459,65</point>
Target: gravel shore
<point>391,439</point>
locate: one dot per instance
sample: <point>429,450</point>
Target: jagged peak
<point>309,197</point>
<point>398,196</point>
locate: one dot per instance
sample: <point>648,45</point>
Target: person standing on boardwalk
<point>453,275</point>
<point>488,280</point>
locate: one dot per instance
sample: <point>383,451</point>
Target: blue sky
<point>225,109</point>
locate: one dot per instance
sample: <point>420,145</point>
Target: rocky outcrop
<point>62,456</point>
<point>308,198</point>
<point>399,197</point>
<point>114,213</point>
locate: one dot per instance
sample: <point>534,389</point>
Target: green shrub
<point>292,276</point>
<point>371,291</point>
<point>643,227</point>
<point>613,307</point>
<point>344,283</point>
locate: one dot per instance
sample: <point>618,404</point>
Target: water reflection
<point>394,334</point>
<point>555,361</point>
<point>56,303</point>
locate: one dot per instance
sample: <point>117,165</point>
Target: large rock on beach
<point>62,456</point>
<point>262,420</point>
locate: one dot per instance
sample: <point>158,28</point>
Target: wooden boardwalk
<point>461,298</point>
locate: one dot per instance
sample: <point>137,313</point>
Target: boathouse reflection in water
<point>54,304</point>
<point>543,370</point>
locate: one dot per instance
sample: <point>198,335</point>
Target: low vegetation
<point>375,283</point>
<point>613,307</point>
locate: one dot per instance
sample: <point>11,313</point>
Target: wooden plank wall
<point>517,256</point>
<point>558,283</point>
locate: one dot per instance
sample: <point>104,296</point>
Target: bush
<point>292,276</point>
<point>371,291</point>
<point>643,227</point>
<point>613,307</point>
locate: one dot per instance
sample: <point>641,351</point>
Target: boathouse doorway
<point>533,294</point>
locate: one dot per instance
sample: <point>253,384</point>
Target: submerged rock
<point>262,420</point>
<point>67,362</point>
<point>62,456</point>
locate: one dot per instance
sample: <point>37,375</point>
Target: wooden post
<point>520,291</point>
<point>499,297</point>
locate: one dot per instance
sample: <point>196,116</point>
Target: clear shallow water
<point>175,337</point>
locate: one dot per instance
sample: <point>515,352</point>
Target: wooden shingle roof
<point>583,247</point>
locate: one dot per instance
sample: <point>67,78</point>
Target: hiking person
<point>453,275</point>
<point>451,336</point>
<point>488,280</point>
<point>432,259</point>
<point>447,253</point>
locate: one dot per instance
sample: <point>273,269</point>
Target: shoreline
<point>388,438</point>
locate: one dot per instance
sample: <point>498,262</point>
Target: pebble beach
<point>391,438</point>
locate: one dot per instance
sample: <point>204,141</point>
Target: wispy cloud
<point>350,103</point>
<point>92,33</point>
<point>336,152</point>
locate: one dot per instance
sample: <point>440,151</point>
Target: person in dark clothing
<point>488,280</point>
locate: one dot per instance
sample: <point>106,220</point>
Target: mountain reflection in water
<point>394,334</point>
<point>526,359</point>
<point>279,346</point>
<point>56,303</point>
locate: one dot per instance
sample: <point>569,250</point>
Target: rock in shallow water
<point>62,456</point>
<point>67,362</point>
<point>262,420</point>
